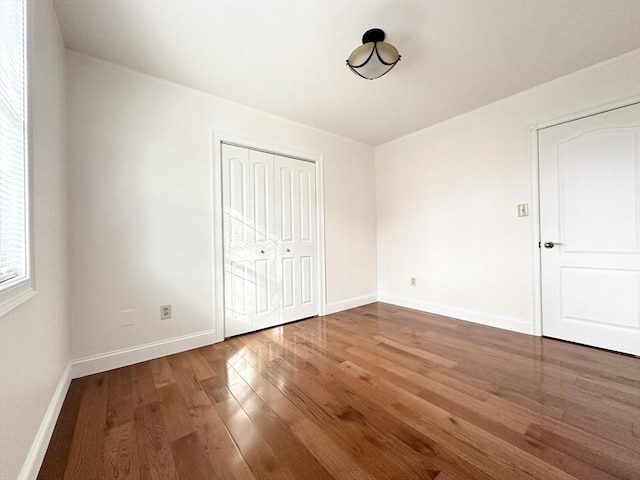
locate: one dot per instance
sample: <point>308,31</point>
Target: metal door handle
<point>551,244</point>
<point>261,251</point>
<point>288,250</point>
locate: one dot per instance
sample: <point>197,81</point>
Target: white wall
<point>447,196</point>
<point>141,204</point>
<point>34,348</point>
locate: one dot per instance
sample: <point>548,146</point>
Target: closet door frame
<point>218,139</point>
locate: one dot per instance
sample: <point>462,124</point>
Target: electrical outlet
<point>165,312</point>
<point>412,281</point>
<point>523,210</point>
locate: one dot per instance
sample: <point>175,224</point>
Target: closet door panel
<point>270,231</point>
<point>249,241</point>
<point>296,227</point>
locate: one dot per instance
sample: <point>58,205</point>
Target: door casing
<point>534,211</point>
<point>218,138</point>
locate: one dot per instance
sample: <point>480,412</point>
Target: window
<point>14,205</point>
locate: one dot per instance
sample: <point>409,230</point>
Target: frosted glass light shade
<point>374,58</point>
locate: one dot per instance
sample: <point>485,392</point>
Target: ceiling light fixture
<point>374,57</point>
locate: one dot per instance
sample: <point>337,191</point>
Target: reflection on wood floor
<point>377,392</point>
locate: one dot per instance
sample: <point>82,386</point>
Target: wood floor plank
<point>175,413</point>
<point>161,372</point>
<point>155,459</point>
<point>336,460</point>
<point>191,457</point>
<point>619,461</point>
<point>294,455</point>
<point>216,388</point>
<point>120,453</point>
<point>256,450</point>
<point>417,448</point>
<point>201,368</point>
<point>55,460</point>
<point>375,392</point>
<point>86,453</point>
<point>120,398</point>
<point>144,388</point>
<point>346,420</point>
<point>226,458</point>
<point>418,352</point>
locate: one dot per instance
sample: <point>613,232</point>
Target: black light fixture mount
<point>374,58</point>
<point>373,35</point>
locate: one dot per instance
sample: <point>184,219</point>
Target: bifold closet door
<point>296,230</point>
<point>269,215</point>
<point>251,299</point>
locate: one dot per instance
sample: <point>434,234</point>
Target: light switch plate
<point>523,210</point>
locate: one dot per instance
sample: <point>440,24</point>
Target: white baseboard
<point>33,462</point>
<point>351,303</point>
<point>140,353</point>
<point>498,321</point>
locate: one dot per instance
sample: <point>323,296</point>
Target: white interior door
<point>251,301</point>
<point>270,239</point>
<point>295,184</point>
<point>590,223</point>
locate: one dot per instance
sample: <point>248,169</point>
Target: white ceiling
<point>288,57</point>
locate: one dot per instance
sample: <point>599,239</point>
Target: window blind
<point>13,142</point>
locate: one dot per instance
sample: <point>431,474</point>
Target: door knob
<point>551,244</point>
<point>262,251</point>
<point>288,250</point>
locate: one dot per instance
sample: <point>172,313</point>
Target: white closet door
<point>590,229</point>
<point>270,239</point>
<point>296,229</point>
<point>249,244</point>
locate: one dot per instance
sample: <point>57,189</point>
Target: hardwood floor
<point>377,392</point>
